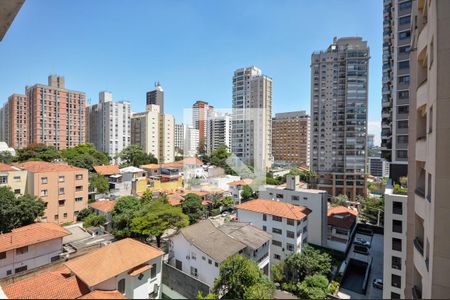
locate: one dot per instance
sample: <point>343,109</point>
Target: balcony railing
<point>416,292</point>
<point>419,245</point>
<point>420,192</point>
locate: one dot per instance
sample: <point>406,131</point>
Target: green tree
<point>93,220</point>
<point>84,213</point>
<point>85,156</point>
<point>193,208</point>
<point>18,211</point>
<point>37,152</point>
<point>372,208</point>
<point>208,296</point>
<point>313,287</point>
<point>147,196</point>
<point>155,218</point>
<point>6,157</point>
<point>219,157</point>
<point>123,213</point>
<point>247,193</point>
<point>225,203</point>
<point>98,183</point>
<point>340,200</point>
<point>133,155</point>
<point>238,275</point>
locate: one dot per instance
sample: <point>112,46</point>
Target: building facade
<point>290,137</point>
<point>200,110</point>
<point>428,245</point>
<point>187,139</point>
<point>109,125</point>
<point>218,131</point>
<point>156,97</point>
<point>13,177</point>
<point>251,135</point>
<point>378,167</point>
<point>339,93</point>
<point>370,141</point>
<point>14,121</point>
<point>396,81</point>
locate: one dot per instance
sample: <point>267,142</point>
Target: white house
<point>29,247</point>
<point>341,226</point>
<point>199,249</point>
<point>315,200</point>
<point>222,182</point>
<point>236,187</point>
<point>287,223</point>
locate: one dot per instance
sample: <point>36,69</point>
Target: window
<point>305,229</point>
<point>61,179</point>
<point>56,217</point>
<point>204,258</point>
<point>403,94</point>
<point>277,218</point>
<point>295,198</point>
<point>17,191</point>
<point>209,261</point>
<point>402,139</point>
<point>404,49</point>
<point>397,208</point>
<point>22,250</point>
<point>403,64</point>
<point>264,217</point>
<point>153,271</point>
<point>216,265</point>
<point>289,247</point>
<point>61,191</point>
<point>290,234</point>
<point>21,269</point>
<point>405,5</point>
<point>281,196</point>
<point>78,199</point>
<point>78,188</point>
<point>17,178</point>
<point>290,222</point>
<point>178,265</point>
<point>404,35</point>
<point>79,176</point>
<point>264,227</point>
<point>430,120</point>
<point>121,286</point>
<point>402,124</point>
<point>396,263</point>
<point>276,256</point>
<point>277,243</point>
<point>429,187</point>
<point>404,20</point>
<point>2,255</point>
<point>404,79</point>
<point>396,244</point>
<point>396,280</point>
<point>61,202</point>
<point>397,226</point>
<point>193,256</point>
<point>402,154</point>
<point>65,215</point>
<point>44,180</point>
<point>277,231</point>
<point>395,295</point>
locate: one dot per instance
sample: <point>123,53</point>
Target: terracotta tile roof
<point>174,199</point>
<point>139,269</point>
<point>98,294</point>
<point>104,205</point>
<point>30,235</point>
<point>189,161</point>
<point>6,168</point>
<point>43,166</point>
<point>57,284</point>
<point>240,182</point>
<point>275,208</point>
<point>107,170</point>
<point>342,217</point>
<point>198,193</point>
<point>112,260</point>
<point>150,166</point>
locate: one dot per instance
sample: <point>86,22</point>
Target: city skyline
<point>129,69</point>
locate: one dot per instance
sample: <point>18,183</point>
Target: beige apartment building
<point>290,137</point>
<point>428,239</point>
<point>13,177</point>
<point>63,188</point>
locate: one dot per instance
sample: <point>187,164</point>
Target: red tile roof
<point>57,284</point>
<point>43,167</point>
<point>150,166</point>
<point>275,208</point>
<point>98,294</point>
<point>104,205</point>
<point>6,168</point>
<point>30,235</point>
<point>240,182</point>
<point>174,199</point>
<point>107,170</point>
<point>179,164</point>
<point>342,217</point>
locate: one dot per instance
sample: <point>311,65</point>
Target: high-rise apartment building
<point>251,137</point>
<point>13,121</point>
<point>396,81</point>
<point>370,141</point>
<point>187,139</point>
<point>56,115</point>
<point>109,124</point>
<point>428,242</point>
<point>200,110</point>
<point>179,137</point>
<point>154,133</point>
<point>218,130</point>
<point>156,97</point>
<point>290,137</point>
<point>339,93</point>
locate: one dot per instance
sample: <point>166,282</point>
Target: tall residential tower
<point>156,97</point>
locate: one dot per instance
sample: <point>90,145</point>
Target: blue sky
<point>192,47</point>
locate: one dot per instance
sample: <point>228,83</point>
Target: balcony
<point>421,148</point>
<point>419,260</point>
<point>419,203</point>
<point>416,292</point>
<point>422,40</point>
<point>422,94</point>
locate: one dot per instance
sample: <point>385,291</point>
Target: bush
<point>94,221</point>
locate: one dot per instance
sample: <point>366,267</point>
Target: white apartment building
<point>287,223</point>
<point>394,261</point>
<point>109,125</point>
<point>199,249</point>
<point>218,130</point>
<point>378,167</point>
<point>187,139</point>
<point>155,133</point>
<point>314,200</point>
<point>251,137</point>
<point>30,247</point>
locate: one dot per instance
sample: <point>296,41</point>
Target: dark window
<point>264,217</point>
<point>121,286</point>
<point>396,244</point>
<point>276,256</point>
<point>405,5</point>
<point>404,79</point>
<point>21,269</point>
<point>404,20</point>
<point>153,271</point>
<point>2,255</point>
<point>402,154</point>
<point>404,109</point>
<point>396,280</point>
<point>178,264</point>
<point>290,222</point>
<point>404,49</point>
<point>289,247</point>
<point>403,94</point>
<point>403,64</point>
<point>22,250</point>
<point>277,218</point>
<point>404,35</point>
<point>295,198</point>
<point>264,228</point>
<point>276,243</point>
<point>396,263</point>
<point>281,196</point>
<point>397,226</point>
<point>402,124</point>
<point>17,191</point>
<point>290,234</point>
<point>276,230</point>
<point>395,295</point>
<point>54,258</point>
<point>402,139</point>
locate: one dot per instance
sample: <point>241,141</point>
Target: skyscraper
<point>251,137</point>
<point>339,86</point>
<point>156,97</point>
<point>396,80</point>
<point>290,137</point>
<point>109,124</point>
<point>200,110</point>
<point>218,131</point>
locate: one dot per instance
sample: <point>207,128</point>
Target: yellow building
<point>165,183</point>
<point>13,177</point>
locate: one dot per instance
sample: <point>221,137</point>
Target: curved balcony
<point>419,260</point>
<point>422,40</point>
<point>419,203</point>
<point>421,149</point>
<point>422,94</point>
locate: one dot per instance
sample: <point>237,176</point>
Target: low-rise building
<point>287,223</point>
<point>130,181</point>
<point>341,227</point>
<point>30,247</point>
<point>314,200</point>
<point>13,177</point>
<point>104,208</point>
<point>236,187</point>
<point>63,188</point>
<point>378,167</point>
<point>199,249</point>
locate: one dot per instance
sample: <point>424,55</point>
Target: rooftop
<point>240,182</point>
<point>30,235</point>
<point>275,208</point>
<point>104,205</point>
<point>98,294</point>
<point>341,217</point>
<point>107,169</point>
<point>151,166</point>
<point>7,168</point>
<point>246,233</point>
<point>112,260</point>
<point>131,169</point>
<point>43,167</point>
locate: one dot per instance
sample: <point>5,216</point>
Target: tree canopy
<point>313,287</point>
<point>133,155</point>
<point>123,213</point>
<point>93,220</point>
<point>247,193</point>
<point>18,211</point>
<point>38,152</point>
<point>6,157</point>
<point>192,207</point>
<point>98,183</point>
<point>85,156</point>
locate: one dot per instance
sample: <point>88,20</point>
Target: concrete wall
<point>183,284</point>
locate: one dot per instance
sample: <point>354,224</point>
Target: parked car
<point>378,283</point>
<point>361,242</point>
